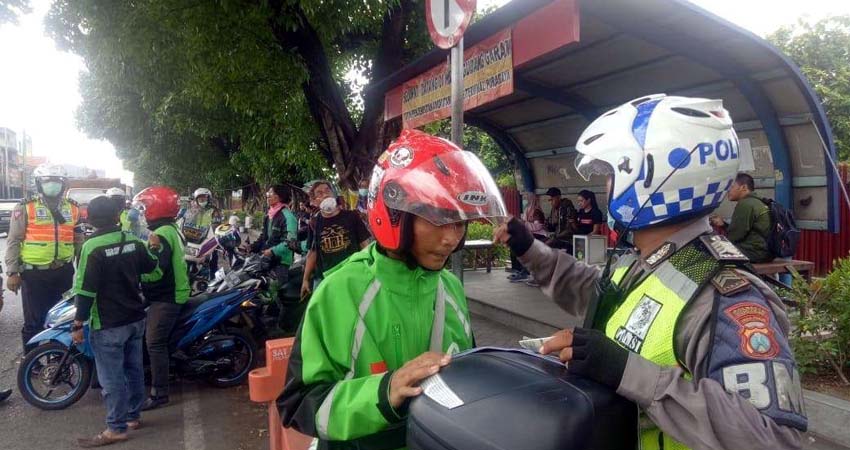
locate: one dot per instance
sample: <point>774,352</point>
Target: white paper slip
<point>437,389</point>
<point>533,344</point>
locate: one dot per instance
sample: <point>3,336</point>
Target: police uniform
<point>41,250</point>
<point>709,363</point>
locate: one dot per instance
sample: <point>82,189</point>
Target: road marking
<point>193,427</point>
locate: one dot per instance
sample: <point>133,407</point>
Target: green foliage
<point>214,93</point>
<point>821,332</point>
<point>480,143</point>
<point>822,50</point>
<point>10,10</point>
<point>484,230</point>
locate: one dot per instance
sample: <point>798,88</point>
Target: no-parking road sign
<point>448,19</point>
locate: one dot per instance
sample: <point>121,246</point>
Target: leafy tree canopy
<point>822,50</point>
<point>229,93</point>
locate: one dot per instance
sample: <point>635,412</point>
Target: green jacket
<point>370,316</point>
<point>171,284</point>
<point>750,228</point>
<point>276,234</point>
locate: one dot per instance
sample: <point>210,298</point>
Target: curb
<point>828,417</point>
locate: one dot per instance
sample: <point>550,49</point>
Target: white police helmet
<point>675,155</point>
<point>202,191</point>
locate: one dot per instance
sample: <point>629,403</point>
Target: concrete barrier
<point>265,385</point>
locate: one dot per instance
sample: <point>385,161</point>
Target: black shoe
<point>5,394</point>
<point>154,403</point>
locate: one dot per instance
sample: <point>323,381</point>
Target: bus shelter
<point>537,72</point>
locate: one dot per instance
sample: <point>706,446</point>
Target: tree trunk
<point>352,150</point>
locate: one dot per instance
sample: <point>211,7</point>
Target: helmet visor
<point>450,188</point>
<point>588,166</point>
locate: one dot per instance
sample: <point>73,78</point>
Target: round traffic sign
<point>448,19</point>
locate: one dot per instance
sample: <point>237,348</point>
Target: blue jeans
<point>118,356</point>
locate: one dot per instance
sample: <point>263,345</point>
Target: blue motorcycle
<point>212,341</point>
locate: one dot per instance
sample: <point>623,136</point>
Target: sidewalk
<point>515,309</point>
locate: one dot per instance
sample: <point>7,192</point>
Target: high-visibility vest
<point>47,241</point>
<point>645,322</point>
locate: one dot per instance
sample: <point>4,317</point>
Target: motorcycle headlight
<point>59,317</point>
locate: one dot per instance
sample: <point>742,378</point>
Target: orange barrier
<point>265,385</point>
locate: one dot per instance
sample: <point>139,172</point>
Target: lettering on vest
<point>110,252</point>
<point>789,391</point>
<point>748,381</point>
<point>632,335</point>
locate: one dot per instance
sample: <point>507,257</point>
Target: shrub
<point>821,332</point>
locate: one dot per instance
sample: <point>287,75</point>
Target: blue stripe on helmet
<point>641,122</point>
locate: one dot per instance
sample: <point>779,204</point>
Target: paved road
<point>200,417</point>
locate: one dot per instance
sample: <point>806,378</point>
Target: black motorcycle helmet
<point>103,212</point>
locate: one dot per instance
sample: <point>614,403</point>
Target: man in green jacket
<point>280,228</point>
<point>391,315</point>
<point>166,291</point>
<point>750,225</point>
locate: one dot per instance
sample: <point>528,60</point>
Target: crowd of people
<point>383,314</point>
<point>557,230</point>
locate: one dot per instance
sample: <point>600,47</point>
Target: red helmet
<point>432,178</point>
<point>158,202</point>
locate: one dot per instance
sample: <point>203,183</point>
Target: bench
<point>780,266</point>
<point>477,246</point>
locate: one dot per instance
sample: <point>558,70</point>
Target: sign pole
<point>457,93</point>
<point>456,68</point>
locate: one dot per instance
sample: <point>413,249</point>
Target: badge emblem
<point>757,337</point>
<point>632,335</point>
<point>660,254</point>
<point>401,158</point>
<point>722,249</point>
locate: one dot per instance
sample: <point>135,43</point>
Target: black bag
<point>784,234</point>
<point>515,401</point>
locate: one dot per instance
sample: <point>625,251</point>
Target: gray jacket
<point>700,412</point>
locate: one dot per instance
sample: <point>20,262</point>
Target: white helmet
<point>49,171</point>
<point>202,191</point>
<point>115,192</point>
<point>670,158</point>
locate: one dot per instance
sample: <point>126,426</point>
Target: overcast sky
<point>39,93</point>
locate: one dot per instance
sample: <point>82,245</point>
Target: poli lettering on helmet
<point>723,150</point>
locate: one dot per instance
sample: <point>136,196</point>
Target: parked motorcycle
<point>210,342</point>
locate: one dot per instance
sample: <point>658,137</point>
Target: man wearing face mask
<point>335,234</point>
<point>40,248</point>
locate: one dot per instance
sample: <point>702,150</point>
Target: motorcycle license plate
<point>232,279</point>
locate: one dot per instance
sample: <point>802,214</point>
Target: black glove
<point>597,357</point>
<point>521,239</point>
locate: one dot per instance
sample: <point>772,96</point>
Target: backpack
<point>784,234</point>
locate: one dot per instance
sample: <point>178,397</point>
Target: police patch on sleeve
<point>751,358</point>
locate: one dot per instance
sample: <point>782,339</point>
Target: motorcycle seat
<point>191,305</point>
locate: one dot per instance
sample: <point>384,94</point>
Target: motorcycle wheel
<point>38,367</point>
<point>244,358</point>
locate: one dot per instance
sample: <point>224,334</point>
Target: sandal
<point>134,424</point>
<point>102,439</point>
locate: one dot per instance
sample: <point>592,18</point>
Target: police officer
<point>200,217</point>
<point>680,326</point>
<point>40,248</point>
